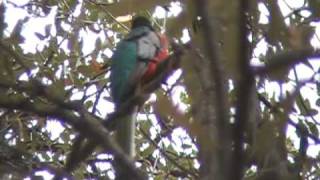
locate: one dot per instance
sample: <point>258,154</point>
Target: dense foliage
<point>244,102</point>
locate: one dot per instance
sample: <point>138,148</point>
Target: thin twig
<point>275,109</point>
<point>194,174</point>
<point>286,59</point>
<point>109,14</point>
<point>94,108</point>
<point>304,106</point>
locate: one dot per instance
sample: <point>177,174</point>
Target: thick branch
<point>285,60</point>
<point>217,92</point>
<point>35,88</point>
<point>86,125</point>
<point>244,94</point>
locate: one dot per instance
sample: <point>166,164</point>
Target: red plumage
<point>161,56</point>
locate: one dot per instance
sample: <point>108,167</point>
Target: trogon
<point>135,58</point>
<point>134,62</point>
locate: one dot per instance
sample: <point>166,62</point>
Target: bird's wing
<point>123,64</point>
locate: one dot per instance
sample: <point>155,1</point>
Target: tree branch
<point>244,94</point>
<point>182,168</point>
<point>275,109</point>
<point>86,124</point>
<point>9,51</point>
<point>286,59</point>
<point>217,93</point>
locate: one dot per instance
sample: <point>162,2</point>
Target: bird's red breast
<point>162,55</point>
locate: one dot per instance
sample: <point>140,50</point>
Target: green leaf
<point>313,128</point>
<point>312,112</point>
<point>148,151</point>
<point>57,91</point>
<point>302,130</point>
<point>46,156</point>
<point>86,70</point>
<point>88,104</point>
<point>305,107</point>
<point>186,146</point>
<point>94,15</point>
<point>47,30</point>
<point>40,36</point>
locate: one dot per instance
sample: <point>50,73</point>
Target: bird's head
<point>140,21</point>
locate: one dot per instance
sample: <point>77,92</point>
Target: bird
<point>134,63</point>
<point>135,58</point>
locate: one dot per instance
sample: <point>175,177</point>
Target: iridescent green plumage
<point>125,63</point>
<point>129,62</point>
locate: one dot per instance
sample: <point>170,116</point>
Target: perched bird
<point>134,62</point>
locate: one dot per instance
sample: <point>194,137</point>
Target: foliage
<point>245,105</point>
